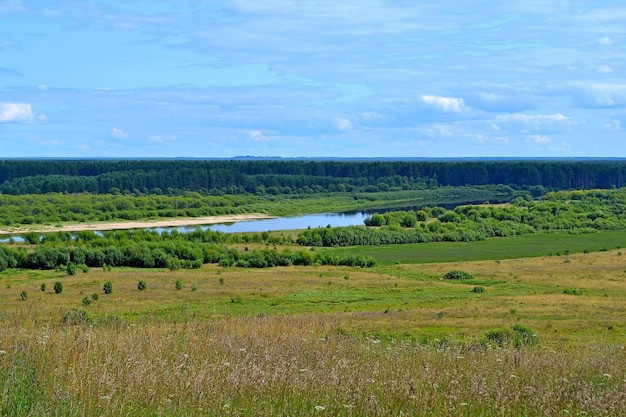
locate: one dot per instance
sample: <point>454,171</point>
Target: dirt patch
<point>189,221</point>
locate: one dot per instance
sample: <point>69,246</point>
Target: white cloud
<point>15,112</point>
<point>343,125</point>
<point>529,118</point>
<point>257,136</point>
<point>615,126</point>
<point>538,139</point>
<point>527,123</point>
<point>445,104</point>
<point>162,138</point>
<point>604,41</point>
<point>602,95</point>
<point>119,133</point>
<point>438,131</point>
<point>604,69</point>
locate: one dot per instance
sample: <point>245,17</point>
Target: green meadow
<point>396,339</point>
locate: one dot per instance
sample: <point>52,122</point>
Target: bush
<point>572,291</point>
<point>24,295</point>
<point>478,290</point>
<point>501,337</point>
<point>524,336</point>
<point>86,301</point>
<point>71,269</point>
<point>519,336</point>
<point>58,287</point>
<point>43,287</point>
<point>179,284</point>
<point>94,296</point>
<point>76,316</point>
<point>142,286</point>
<point>108,287</point>
<point>457,275</point>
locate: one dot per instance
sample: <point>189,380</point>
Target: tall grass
<point>283,366</point>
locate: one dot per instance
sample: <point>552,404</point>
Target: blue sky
<point>367,78</point>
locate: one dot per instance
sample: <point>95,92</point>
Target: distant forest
<point>219,177</point>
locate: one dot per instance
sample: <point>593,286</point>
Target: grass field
<point>524,246</point>
<point>395,340</point>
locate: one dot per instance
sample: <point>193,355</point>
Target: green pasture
<point>539,244</point>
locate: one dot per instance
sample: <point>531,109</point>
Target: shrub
<point>24,295</point>
<point>457,275</point>
<point>179,284</point>
<point>524,336</point>
<point>500,337</point>
<point>478,290</point>
<point>193,287</point>
<point>86,301</point>
<point>142,286</point>
<point>76,316</point>
<point>43,287</point>
<point>58,287</point>
<point>519,336</point>
<point>94,296</point>
<point>108,287</point>
<point>71,269</point>
<point>572,291</point>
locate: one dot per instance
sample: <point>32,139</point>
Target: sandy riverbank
<point>77,227</point>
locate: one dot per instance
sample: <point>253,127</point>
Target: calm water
<point>281,223</point>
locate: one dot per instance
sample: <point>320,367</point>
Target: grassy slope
<point>348,341</point>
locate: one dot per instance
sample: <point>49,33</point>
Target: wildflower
<point>320,408</point>
<point>3,352</point>
<point>607,375</point>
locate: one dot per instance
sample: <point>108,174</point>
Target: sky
<point>324,78</point>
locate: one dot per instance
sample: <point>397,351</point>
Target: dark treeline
<point>285,177</point>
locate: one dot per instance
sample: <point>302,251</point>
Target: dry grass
<point>395,340</point>
<point>304,365</point>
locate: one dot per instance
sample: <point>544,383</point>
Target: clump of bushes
<point>457,275</point>
<point>76,316</point>
<point>572,291</point>
<point>478,290</point>
<point>517,336</point>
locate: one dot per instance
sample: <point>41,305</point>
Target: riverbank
<point>120,225</point>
